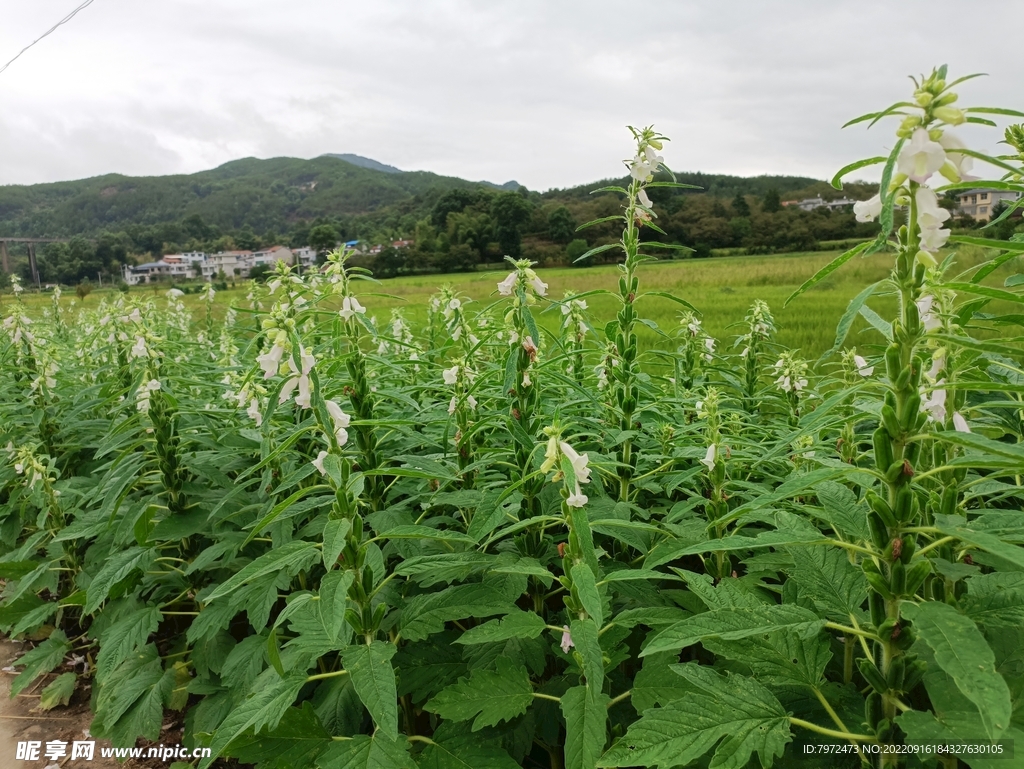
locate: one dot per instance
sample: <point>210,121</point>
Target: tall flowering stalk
<point>524,288</point>
<point>905,508</point>
<point>638,214</point>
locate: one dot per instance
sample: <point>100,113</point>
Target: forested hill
<point>264,195</point>
<point>275,195</point>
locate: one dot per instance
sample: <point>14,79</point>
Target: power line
<point>63,21</point>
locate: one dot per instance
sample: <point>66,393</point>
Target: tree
<point>260,272</point>
<point>323,238</point>
<point>451,202</point>
<point>740,206</point>
<point>771,202</point>
<point>388,262</point>
<point>576,249</point>
<point>510,211</point>
<point>561,225</point>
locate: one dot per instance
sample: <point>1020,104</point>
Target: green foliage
<point>558,529</point>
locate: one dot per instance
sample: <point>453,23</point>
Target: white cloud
<point>524,89</point>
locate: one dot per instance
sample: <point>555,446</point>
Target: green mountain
<point>264,195</point>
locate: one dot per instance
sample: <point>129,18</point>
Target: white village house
<point>170,267</point>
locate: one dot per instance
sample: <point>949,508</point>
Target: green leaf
<point>297,741</point>
<point>586,715</point>
<point>777,658</point>
<point>362,752</point>
<point>585,583</point>
<point>42,659</point>
<point>266,706</point>
<point>849,316</point>
<point>584,634</point>
<point>987,291</point>
<point>126,635</point>
<point>995,600</point>
<point>656,684</point>
<point>734,623</point>
<point>842,510</point>
<point>289,558</point>
<point>737,714</point>
<point>118,566</point>
<point>518,624</point>
<point>335,532</point>
<point>955,526</point>
<point>428,570</point>
<point>464,754</point>
<point>374,681</point>
<point>58,691</point>
<point>837,179</point>
<point>145,717</point>
<point>825,574</point>
<point>962,652</point>
<point>427,614</point>
<point>425,532</point>
<point>827,270</point>
<point>489,696</point>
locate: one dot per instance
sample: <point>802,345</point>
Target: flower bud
<point>926,259</point>
<point>923,98</point>
<point>945,99</point>
<point>950,115</point>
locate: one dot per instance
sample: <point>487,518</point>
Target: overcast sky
<point>537,91</point>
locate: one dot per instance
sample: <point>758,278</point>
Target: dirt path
<point>20,723</point>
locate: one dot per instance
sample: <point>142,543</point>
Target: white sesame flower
<point>579,462</point>
<point>254,412</point>
<point>318,463</point>
<point>506,286</point>
<point>920,157</point>
<point>935,404</point>
<point>153,384</point>
<point>471,401</point>
<point>577,498</point>
<point>959,423</point>
<point>350,306</point>
<point>566,643</point>
<point>709,457</point>
<point>139,349</point>
<point>450,375</point>
<point>451,406</point>
<point>862,366</point>
<point>270,361</point>
<point>868,210</point>
<point>175,293</point>
<point>300,379</point>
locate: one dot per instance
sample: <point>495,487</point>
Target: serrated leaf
<point>464,754</point>
<point>585,583</point>
<point>374,681</point>
<point>427,614</point>
<point>429,570</point>
<point>362,752</point>
<point>335,531</point>
<point>585,636</point>
<point>825,574</point>
<point>126,635</point>
<point>42,659</point>
<point>518,624</point>
<point>288,559</point>
<point>488,696</point>
<point>995,600</point>
<point>586,716</point>
<point>962,652</point>
<point>58,691</point>
<point>266,706</point>
<point>842,510</point>
<point>734,623</point>
<point>777,658</point>
<point>736,714</point>
<point>297,741</point>
<point>115,568</point>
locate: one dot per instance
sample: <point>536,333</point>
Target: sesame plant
<point>315,539</point>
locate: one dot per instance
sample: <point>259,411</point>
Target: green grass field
<point>722,289</point>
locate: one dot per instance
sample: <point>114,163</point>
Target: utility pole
<point>32,264</point>
<point>4,258</point>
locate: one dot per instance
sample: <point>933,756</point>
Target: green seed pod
<point>877,606</point>
<point>886,628</point>
<point>894,472</point>
<point>879,531</point>
<point>898,578</point>
<point>913,318</point>
<point>354,621</point>
<point>911,408</point>
<point>902,380</point>
<point>883,449</point>
<point>873,710</point>
<point>891,423</point>
<point>368,580</point>
<point>904,504</point>
<point>378,615</point>
<point>911,452</point>
<point>879,585</point>
<point>907,552</point>
<point>872,675</point>
<point>916,574</point>
<point>938,590</point>
<point>893,362</point>
<point>947,505</point>
<point>896,674</point>
<point>881,507</point>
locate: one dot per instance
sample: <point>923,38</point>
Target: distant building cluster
<point>977,203</point>
<point>233,264</point>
